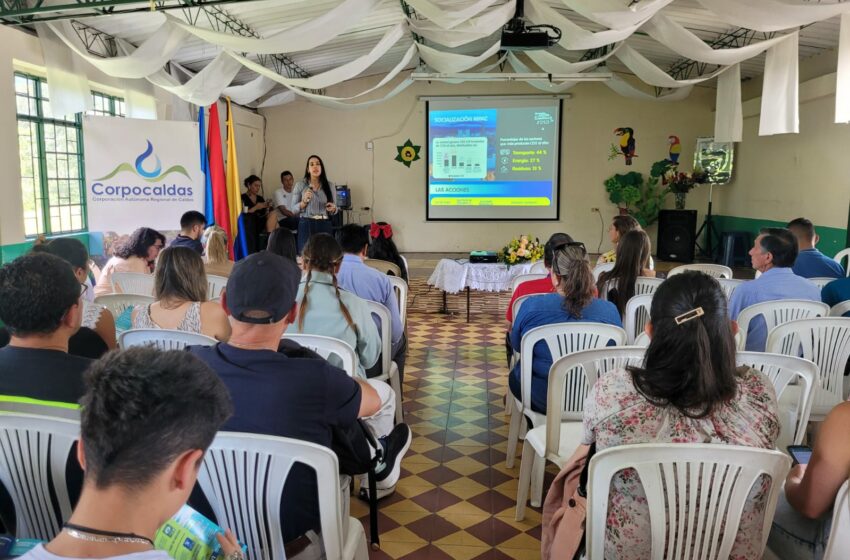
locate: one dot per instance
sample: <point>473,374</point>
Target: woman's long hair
<point>282,242</point>
<point>624,223</point>
<point>575,280</point>
<point>384,248</point>
<point>138,243</point>
<point>215,247</point>
<point>690,363</point>
<point>323,178</point>
<point>323,254</point>
<point>632,257</point>
<point>180,275</point>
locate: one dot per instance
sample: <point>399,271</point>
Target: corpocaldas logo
<point>149,182</point>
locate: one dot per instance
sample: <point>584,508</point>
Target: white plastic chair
<point>132,283</point>
<point>776,313</point>
<point>401,290</point>
<point>538,267</point>
<point>782,370</point>
<point>520,278</point>
<point>382,266</point>
<point>328,347</point>
<point>243,476</point>
<point>826,342</point>
<point>33,452</point>
<point>821,281</point>
<point>600,268</point>
<point>562,339</point>
<point>117,304</point>
<point>839,309</point>
<point>695,494</point>
<point>637,315</point>
<point>215,286</point>
<point>388,366</point>
<point>729,285</point>
<point>647,285</point>
<point>715,270</point>
<point>641,340</point>
<point>406,266</point>
<point>840,256</point>
<point>838,546</point>
<point>570,380</point>
<point>163,339</point>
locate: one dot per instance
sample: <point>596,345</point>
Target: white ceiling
<point>269,16</point>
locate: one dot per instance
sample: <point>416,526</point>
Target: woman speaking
<point>317,201</point>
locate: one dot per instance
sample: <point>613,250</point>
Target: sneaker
<point>388,471</point>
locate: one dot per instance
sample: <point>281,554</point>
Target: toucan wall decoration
<point>626,146</point>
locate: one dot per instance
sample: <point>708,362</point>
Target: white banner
<point>141,173</point>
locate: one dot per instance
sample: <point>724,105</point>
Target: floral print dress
<point>616,413</point>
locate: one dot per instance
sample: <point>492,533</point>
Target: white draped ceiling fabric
<point>474,20</point>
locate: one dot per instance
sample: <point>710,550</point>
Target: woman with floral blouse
<point>688,391</point>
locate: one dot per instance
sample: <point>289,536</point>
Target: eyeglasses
<point>568,244</point>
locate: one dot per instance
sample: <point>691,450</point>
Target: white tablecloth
<point>454,276</point>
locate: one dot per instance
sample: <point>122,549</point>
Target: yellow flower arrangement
<point>521,249</point>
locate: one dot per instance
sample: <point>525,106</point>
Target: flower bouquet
<point>521,249</point>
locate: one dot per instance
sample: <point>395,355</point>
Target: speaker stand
<point>710,232</point>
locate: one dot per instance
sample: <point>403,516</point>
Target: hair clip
<point>692,314</point>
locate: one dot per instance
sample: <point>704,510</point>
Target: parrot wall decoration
<point>675,149</point>
<point>627,143</point>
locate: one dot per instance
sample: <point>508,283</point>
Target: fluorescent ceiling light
<point>512,77</point>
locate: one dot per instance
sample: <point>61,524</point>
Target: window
<point>51,152</point>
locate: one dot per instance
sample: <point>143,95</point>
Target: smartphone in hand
<point>800,454</point>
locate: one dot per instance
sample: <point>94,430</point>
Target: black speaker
<point>676,235</point>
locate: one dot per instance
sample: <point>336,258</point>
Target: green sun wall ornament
<point>407,153</point>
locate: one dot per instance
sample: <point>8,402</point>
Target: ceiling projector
<point>519,35</point>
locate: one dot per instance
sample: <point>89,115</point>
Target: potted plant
<point>633,194</point>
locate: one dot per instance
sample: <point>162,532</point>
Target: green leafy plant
<point>641,197</point>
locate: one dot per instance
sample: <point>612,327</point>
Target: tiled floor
<point>456,498</point>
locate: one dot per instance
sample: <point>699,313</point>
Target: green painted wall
<point>94,242</point>
<point>832,240</point>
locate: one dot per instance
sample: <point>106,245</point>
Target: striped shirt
<point>316,206</point>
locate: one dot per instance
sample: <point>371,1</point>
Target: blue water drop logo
<point>140,160</point>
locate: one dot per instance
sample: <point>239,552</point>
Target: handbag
<point>565,510</point>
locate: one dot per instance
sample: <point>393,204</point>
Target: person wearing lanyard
<point>317,198</point>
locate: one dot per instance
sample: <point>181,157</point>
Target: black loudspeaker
<point>676,235</point>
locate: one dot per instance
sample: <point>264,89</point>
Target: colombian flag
<point>221,214</point>
<point>205,169</point>
<point>239,248</point>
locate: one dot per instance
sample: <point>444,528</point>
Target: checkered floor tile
<point>456,498</point>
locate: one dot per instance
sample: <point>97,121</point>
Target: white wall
<point>20,47</point>
<point>300,128</point>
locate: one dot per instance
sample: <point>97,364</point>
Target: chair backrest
<point>563,339</point>
<point>133,283</point>
<point>328,347</point>
<point>215,285</point>
<point>243,475</point>
<point>839,309</point>
<point>600,268</point>
<point>838,546</point>
<point>401,290</point>
<point>163,339</point>
<point>637,314</point>
<point>538,268</point>
<point>778,312</point>
<point>515,306</point>
<point>715,270</point>
<point>570,380</point>
<point>33,452</point>
<point>406,266</point>
<point>383,266</point>
<point>821,281</point>
<point>118,303</point>
<point>782,370</point>
<point>386,334</point>
<point>641,340</point>
<point>729,285</point>
<point>823,340</point>
<point>695,494</point>
<point>520,278</point>
<point>839,258</point>
<point>647,285</point>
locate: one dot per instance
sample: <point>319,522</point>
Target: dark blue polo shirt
<point>183,241</point>
<point>277,395</point>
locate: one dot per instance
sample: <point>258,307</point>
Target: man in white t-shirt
<point>286,217</point>
<point>147,418</point>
